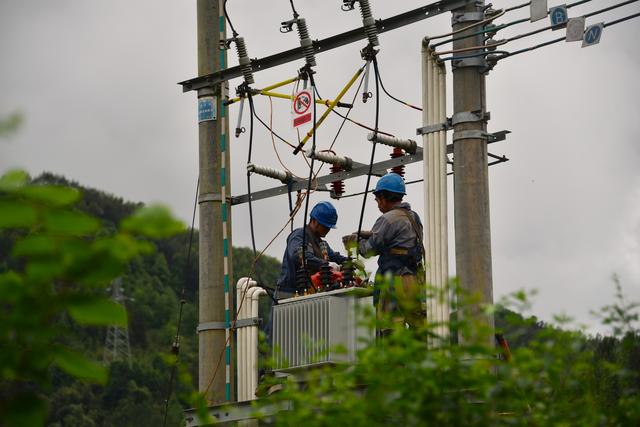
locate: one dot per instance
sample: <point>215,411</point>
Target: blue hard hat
<point>325,213</point>
<point>391,182</point>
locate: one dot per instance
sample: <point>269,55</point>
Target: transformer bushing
<point>347,272</point>
<point>326,275</point>
<point>244,60</point>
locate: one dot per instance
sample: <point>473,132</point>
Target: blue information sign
<point>206,109</point>
<point>558,15</point>
<point>592,34</point>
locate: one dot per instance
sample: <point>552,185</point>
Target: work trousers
<point>402,300</point>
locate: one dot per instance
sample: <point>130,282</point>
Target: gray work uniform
<point>394,239</point>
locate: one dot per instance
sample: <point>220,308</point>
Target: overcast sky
<point>96,83</point>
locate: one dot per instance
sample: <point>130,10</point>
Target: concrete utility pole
<point>471,180</point>
<point>215,241</point>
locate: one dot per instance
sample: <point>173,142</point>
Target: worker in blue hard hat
<point>323,218</point>
<point>396,237</point>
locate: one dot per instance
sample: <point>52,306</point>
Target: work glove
<point>365,234</point>
<point>358,264</point>
<point>350,241</point>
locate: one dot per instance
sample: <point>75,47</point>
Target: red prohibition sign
<point>302,102</point>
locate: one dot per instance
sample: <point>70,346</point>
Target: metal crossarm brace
<point>383,25</point>
<point>378,169</point>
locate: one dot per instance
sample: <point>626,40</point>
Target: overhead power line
<point>538,46</point>
<point>492,29</point>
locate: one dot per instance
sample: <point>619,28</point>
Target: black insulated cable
<point>306,202</point>
<point>373,149</point>
<point>175,346</point>
<point>226,15</point>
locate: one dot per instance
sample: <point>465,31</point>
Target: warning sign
<point>301,108</point>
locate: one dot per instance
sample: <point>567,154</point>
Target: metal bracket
<point>209,197</point>
<point>460,17</point>
<point>470,117</point>
<point>240,323</point>
<point>462,117</point>
<point>479,134</point>
<point>474,61</point>
<point>434,128</point>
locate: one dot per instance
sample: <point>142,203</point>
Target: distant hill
<point>153,286</point>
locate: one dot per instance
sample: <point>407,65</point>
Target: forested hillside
<point>153,284</point>
<point>135,394</point>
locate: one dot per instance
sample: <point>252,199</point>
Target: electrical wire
<point>588,15</point>
<point>273,142</point>
<point>313,150</point>
<point>498,14</point>
<point>394,98</point>
<point>373,149</point>
<point>176,343</point>
<point>504,54</point>
<point>502,26</point>
<point>272,131</point>
<point>253,237</point>
<point>509,9</point>
<point>538,46</point>
<point>226,15</point>
<point>293,9</point>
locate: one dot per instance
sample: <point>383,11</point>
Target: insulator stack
<point>369,23</point>
<point>337,186</point>
<point>282,176</point>
<point>398,152</point>
<point>347,272</point>
<point>244,60</point>
<point>306,43</point>
<point>408,145</point>
<point>326,275</point>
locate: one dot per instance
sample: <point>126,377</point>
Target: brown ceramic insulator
<point>337,186</point>
<point>398,152</point>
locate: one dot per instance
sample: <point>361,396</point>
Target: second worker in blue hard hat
<point>396,237</point>
<point>323,218</point>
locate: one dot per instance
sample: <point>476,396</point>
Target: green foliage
<point>57,265</point>
<point>414,378</point>
<point>8,125</point>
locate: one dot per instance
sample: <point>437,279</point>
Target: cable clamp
<point>209,197</point>
<point>474,61</point>
<point>460,17</point>
<point>470,117</point>
<point>240,323</point>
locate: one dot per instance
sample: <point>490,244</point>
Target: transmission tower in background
<point>116,345</point>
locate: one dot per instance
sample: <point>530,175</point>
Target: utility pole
<point>214,212</point>
<point>471,177</point>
